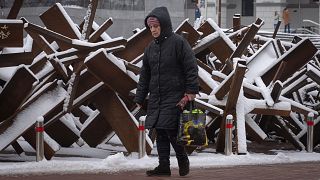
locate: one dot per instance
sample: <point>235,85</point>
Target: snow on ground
<point>119,162</point>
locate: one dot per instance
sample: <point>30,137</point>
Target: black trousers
<point>164,138</point>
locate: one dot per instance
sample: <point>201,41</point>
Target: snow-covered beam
<point>231,103</point>
<point>135,46</point>
<point>16,91</point>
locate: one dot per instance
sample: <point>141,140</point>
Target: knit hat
<point>153,21</point>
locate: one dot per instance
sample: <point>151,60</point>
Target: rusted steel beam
<point>276,29</point>
<point>46,87</point>
<point>288,133</point>
<point>225,87</point>
<point>55,20</point>
<point>231,103</point>
<point>236,21</point>
<point>204,86</point>
<point>73,85</point>
<point>59,68</point>
<point>296,77</point>
<point>135,46</point>
<point>36,67</point>
<point>101,66</point>
<point>299,110</point>
<point>90,89</point>
<point>217,46</point>
<point>193,35</point>
<point>297,86</point>
<point>217,78</point>
<point>253,130</point>
<point>15,59</point>
<point>97,33</point>
<point>277,124</point>
<point>213,109</point>
<point>30,137</point>
<point>281,48</point>
<point>61,133</point>
<point>88,80</point>
<point>77,112</point>
<point>279,71</point>
<point>54,114</point>
<point>239,34</point>
<point>59,38</point>
<point>312,73</point>
<point>206,29</point>
<point>249,36</point>
<point>296,39</point>
<point>16,91</point>
<point>265,122</point>
<point>67,42</point>
<point>295,128</point>
<point>57,129</point>
<point>212,127</point>
<point>41,42</point>
<point>18,125</point>
<point>204,66</point>
<point>112,45</point>
<point>298,56</point>
<point>203,49</point>
<point>48,78</point>
<point>116,113</point>
<point>276,91</point>
<point>88,23</point>
<point>221,50</point>
<point>251,93</point>
<point>96,130</point>
<point>16,146</point>
<point>14,11</point>
<point>271,111</point>
<point>131,67</point>
<point>11,33</point>
<point>88,96</point>
<point>255,69</point>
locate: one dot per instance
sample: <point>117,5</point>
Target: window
<point>247,8</point>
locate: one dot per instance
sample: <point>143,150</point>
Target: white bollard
<point>142,138</point>
<point>228,135</point>
<point>310,123</point>
<point>39,139</point>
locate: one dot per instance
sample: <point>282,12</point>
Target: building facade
<point>129,14</point>
<point>250,10</point>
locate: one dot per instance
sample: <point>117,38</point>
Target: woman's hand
<point>191,97</point>
<point>183,102</point>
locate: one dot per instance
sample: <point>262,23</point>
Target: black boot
<point>161,170</point>
<point>183,166</point>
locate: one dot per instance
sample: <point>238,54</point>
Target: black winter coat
<point>169,70</point>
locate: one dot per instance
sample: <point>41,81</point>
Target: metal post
<point>228,135</point>
<point>142,138</point>
<point>39,139</point>
<point>206,8</point>
<point>300,20</point>
<point>219,13</point>
<point>310,123</point>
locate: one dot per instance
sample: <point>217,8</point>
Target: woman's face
<point>155,30</point>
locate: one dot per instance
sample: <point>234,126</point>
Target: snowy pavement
<point>121,163</point>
